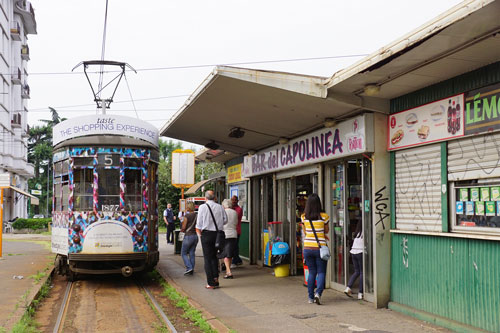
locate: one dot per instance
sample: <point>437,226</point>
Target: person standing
<point>357,249</point>
<point>210,214</point>
<point>231,242</point>
<point>169,218</point>
<point>190,239</point>
<point>236,259</point>
<point>313,217</point>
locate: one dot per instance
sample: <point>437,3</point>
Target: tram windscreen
<point>108,189</point>
<point>83,191</point>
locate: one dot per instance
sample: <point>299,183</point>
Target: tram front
<point>105,214</point>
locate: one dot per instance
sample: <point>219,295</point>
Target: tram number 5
<point>110,208</point>
<point>108,160</point>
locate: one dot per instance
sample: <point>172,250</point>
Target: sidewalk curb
<point>215,323</point>
<point>34,293</point>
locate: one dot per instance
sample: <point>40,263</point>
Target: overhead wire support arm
<point>99,101</point>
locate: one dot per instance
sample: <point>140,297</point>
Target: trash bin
<point>177,242</point>
<point>280,259</point>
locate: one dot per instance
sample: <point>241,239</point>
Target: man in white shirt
<point>205,227</point>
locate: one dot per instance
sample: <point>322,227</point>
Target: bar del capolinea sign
<point>347,138</point>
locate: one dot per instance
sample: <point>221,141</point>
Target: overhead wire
<point>103,49</point>
<point>131,98</point>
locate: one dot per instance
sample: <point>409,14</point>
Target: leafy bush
<point>31,223</point>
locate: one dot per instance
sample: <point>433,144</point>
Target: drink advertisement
<point>482,110</point>
<point>436,121</point>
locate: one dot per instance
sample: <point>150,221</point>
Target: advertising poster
<point>485,194</point>
<point>59,240</point>
<point>482,110</point>
<point>490,208</point>
<point>474,194</point>
<point>479,207</point>
<point>459,207</point>
<point>436,121</point>
<point>108,236</point>
<point>469,208</point>
<point>464,194</point>
<point>495,193</point>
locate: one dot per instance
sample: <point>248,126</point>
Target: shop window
<point>83,191</point>
<point>476,205</point>
<point>240,190</point>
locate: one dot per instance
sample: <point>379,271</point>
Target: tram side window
<point>61,186</point>
<point>83,191</point>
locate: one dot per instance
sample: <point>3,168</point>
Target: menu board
<point>436,121</point>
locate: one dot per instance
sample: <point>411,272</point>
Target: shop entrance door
<point>349,204</point>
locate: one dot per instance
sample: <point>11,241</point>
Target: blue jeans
<point>317,269</point>
<point>188,250</point>
<point>357,260</point>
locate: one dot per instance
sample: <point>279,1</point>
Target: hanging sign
<point>183,168</point>
<point>234,173</point>
<point>482,110</point>
<point>347,138</point>
<point>436,121</point>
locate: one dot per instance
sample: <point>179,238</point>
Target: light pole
<point>42,170</point>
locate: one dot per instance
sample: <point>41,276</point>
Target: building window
<point>476,204</point>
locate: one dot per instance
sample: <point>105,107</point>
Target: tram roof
<point>269,105</point>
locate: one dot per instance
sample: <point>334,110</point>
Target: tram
<point>105,195</point>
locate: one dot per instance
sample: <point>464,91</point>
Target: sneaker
<point>348,292</point>
<point>310,301</point>
<point>360,295</point>
<point>317,299</point>
<point>188,272</point>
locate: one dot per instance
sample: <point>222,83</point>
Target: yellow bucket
<point>282,270</point>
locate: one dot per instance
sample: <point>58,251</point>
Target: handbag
<point>221,236</point>
<point>180,238</point>
<point>324,251</point>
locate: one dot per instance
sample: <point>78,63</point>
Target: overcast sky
<point>163,34</point>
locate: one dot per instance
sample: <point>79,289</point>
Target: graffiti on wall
<point>404,245</point>
<point>418,189</point>
<point>381,205</point>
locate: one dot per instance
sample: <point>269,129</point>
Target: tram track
<point>107,305</point>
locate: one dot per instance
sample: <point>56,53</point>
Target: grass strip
<point>180,301</point>
<point>27,323</point>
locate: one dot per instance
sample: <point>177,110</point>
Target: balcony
<point>15,31</point>
<point>16,120</point>
<point>16,78</point>
<point>25,91</point>
<point>25,52</point>
<point>25,9</point>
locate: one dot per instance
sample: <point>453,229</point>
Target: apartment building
<point>17,21</point>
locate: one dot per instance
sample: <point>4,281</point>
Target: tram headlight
<point>77,227</point>
<point>139,226</point>
<point>139,239</point>
<point>76,239</point>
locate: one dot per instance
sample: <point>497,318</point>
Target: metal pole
<point>48,182</point>
<point>1,221</point>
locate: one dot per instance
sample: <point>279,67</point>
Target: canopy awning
<point>196,187</point>
<point>243,110</point>
<point>34,200</point>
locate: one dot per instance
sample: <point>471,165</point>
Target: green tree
<point>40,155</point>
<point>166,192</point>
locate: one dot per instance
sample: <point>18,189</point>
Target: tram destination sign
<point>347,138</point>
<point>105,125</point>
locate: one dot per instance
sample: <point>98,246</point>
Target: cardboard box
<point>485,194</point>
<point>464,194</point>
<point>479,207</point>
<point>469,208</point>
<point>459,207</point>
<point>490,208</point>
<point>495,193</point>
<point>474,194</point>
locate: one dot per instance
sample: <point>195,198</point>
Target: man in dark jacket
<point>169,218</point>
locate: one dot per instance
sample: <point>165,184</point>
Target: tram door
<point>350,208</point>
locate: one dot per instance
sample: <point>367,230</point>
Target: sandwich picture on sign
<point>411,119</point>
<point>398,136</point>
<point>423,132</point>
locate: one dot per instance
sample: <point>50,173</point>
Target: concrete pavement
<point>256,301</point>
<point>23,256</point>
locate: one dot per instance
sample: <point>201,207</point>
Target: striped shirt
<point>319,226</point>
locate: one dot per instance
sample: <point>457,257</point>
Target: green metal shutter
<point>418,189</point>
<point>474,157</point>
